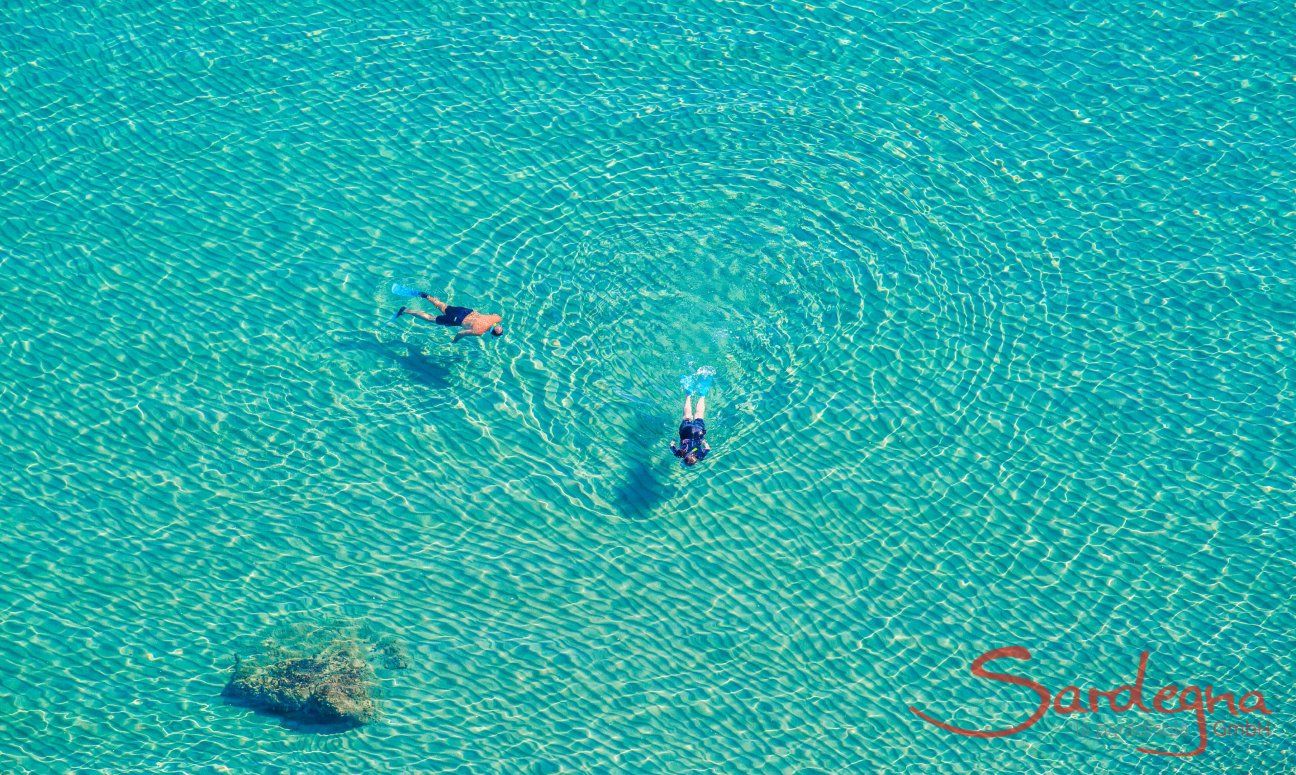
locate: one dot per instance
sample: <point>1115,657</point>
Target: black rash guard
<point>691,433</point>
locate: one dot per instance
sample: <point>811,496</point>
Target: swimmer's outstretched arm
<point>463,333</point>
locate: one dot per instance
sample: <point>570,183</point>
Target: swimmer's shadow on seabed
<point>643,489</point>
<point>426,370</point>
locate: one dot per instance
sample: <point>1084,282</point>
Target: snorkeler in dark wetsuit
<point>692,433</point>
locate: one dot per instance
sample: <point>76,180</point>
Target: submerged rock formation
<point>316,675</point>
<point>392,654</point>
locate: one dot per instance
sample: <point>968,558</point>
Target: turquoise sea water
<point>1001,300</point>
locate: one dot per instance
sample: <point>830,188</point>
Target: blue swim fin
<point>405,291</point>
<point>699,383</point>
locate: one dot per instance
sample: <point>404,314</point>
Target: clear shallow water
<point>1001,303</point>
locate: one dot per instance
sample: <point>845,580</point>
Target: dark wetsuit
<point>453,316</point>
<point>691,433</point>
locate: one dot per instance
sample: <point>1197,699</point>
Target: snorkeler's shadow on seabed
<point>643,489</point>
<point>422,369</point>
